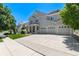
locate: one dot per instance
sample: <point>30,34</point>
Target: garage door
<point>64,31</point>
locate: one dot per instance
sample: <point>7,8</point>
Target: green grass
<point>15,36</point>
<point>1,40</point>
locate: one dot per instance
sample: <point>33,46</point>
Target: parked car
<point>4,34</point>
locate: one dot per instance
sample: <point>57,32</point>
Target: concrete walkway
<point>51,44</point>
<point>10,47</point>
<point>3,50</point>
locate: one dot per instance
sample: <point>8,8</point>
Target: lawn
<point>15,36</point>
<point>1,40</point>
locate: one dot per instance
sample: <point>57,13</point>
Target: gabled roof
<point>52,12</point>
<point>38,13</point>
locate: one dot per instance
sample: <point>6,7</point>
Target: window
<point>53,18</point>
<point>31,22</point>
<point>36,20</point>
<point>50,18</point>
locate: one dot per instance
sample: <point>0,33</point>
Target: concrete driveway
<point>51,45</point>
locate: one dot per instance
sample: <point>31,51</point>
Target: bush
<point>23,32</point>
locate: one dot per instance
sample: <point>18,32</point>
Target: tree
<point>70,15</point>
<point>2,17</point>
<point>7,20</point>
<point>11,23</point>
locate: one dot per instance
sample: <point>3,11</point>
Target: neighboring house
<point>21,27</point>
<point>47,23</point>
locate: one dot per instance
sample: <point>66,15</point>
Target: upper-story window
<point>36,20</point>
<point>53,18</point>
<point>50,18</point>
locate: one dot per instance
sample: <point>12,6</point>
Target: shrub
<point>23,32</point>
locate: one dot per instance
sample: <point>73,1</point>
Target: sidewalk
<point>17,49</point>
<point>3,50</point>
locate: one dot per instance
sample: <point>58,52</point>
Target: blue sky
<point>22,11</point>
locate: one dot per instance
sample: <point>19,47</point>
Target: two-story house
<point>47,23</point>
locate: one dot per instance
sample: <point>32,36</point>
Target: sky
<point>22,11</point>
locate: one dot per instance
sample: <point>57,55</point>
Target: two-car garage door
<point>64,30</point>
